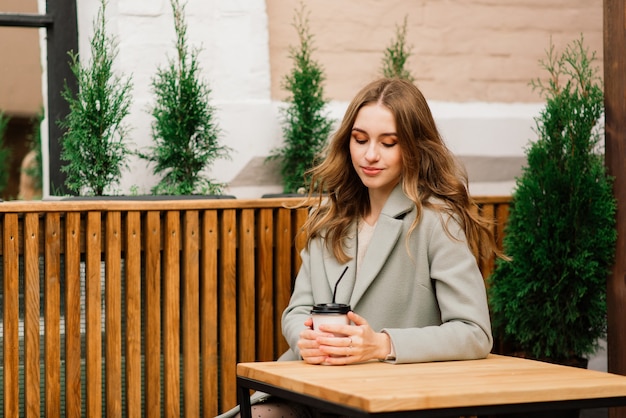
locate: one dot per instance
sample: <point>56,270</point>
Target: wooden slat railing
<point>145,307</point>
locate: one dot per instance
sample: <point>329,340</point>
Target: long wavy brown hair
<point>431,175</point>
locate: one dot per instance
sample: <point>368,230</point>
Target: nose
<point>372,152</point>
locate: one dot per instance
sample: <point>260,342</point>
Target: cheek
<point>396,163</point>
<point>394,158</point>
<point>399,162</point>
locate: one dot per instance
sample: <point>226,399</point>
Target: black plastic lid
<point>330,308</point>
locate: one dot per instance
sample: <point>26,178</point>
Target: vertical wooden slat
<point>113,314</point>
<point>265,286</point>
<point>152,330</point>
<point>282,275</point>
<point>171,314</point>
<point>502,215</point>
<point>301,216</point>
<point>72,316</point>
<point>475,211</point>
<point>246,279</point>
<point>486,261</point>
<point>191,314</point>
<point>208,312</point>
<point>132,251</point>
<point>32,382</point>
<point>93,314</point>
<point>52,301</point>
<point>10,246</point>
<point>228,308</point>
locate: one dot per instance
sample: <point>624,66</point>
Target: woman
<point>396,211</point>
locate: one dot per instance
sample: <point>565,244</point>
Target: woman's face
<point>374,149</point>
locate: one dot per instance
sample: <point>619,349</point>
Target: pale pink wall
<point>464,50</point>
<point>20,63</point>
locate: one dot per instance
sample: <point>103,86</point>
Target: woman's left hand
<point>361,343</point>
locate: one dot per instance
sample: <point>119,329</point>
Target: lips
<point>371,171</point>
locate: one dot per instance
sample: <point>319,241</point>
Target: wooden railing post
<point>10,247</point>
<point>52,303</point>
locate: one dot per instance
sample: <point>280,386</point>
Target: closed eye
<point>359,138</point>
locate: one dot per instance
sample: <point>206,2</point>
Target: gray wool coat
<point>429,297</point>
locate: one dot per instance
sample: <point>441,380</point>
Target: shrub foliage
<point>306,125</point>
<point>94,144</point>
<point>550,300</point>
<point>184,130</point>
<point>397,54</point>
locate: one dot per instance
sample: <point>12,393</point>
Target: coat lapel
<point>385,238</point>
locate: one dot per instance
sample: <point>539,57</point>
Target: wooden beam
<point>62,37</point>
<point>615,137</point>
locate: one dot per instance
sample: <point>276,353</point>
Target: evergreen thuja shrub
<point>549,301</point>
<point>94,143</point>
<point>305,125</point>
<point>185,131</point>
<point>396,55</point>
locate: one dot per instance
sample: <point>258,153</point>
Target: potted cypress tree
<point>306,125</point>
<point>397,54</point>
<point>94,144</point>
<point>549,301</point>
<point>184,130</point>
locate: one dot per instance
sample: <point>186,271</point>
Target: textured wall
<point>464,50</point>
<point>20,71</point>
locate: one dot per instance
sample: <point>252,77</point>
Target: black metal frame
<point>60,22</point>
<point>244,385</point>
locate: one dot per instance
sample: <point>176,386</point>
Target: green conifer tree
<point>306,125</point>
<point>397,54</point>
<point>549,301</point>
<point>184,130</point>
<point>94,144</point>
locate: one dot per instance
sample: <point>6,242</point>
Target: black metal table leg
<point>243,395</point>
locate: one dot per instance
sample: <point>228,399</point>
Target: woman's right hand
<point>308,345</point>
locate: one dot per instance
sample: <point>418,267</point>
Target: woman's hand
<point>359,343</point>
<point>309,346</point>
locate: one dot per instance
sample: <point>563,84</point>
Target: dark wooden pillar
<point>615,131</point>
<point>62,37</point>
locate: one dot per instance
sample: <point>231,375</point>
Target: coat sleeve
<point>465,329</point>
<point>299,308</point>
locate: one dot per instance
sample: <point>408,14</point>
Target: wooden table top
<point>383,387</point>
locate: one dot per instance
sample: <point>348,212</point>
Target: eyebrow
<point>385,134</point>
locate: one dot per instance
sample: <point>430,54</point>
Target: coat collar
<point>397,204</point>
<point>387,232</point>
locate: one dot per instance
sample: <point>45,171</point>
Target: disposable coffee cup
<point>330,313</point>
